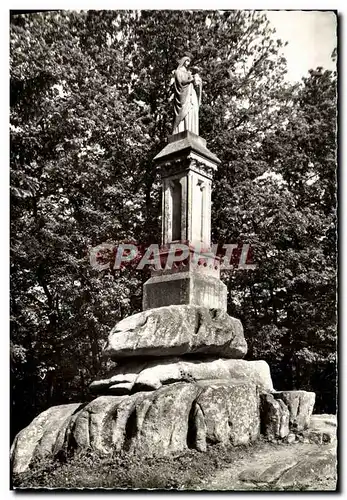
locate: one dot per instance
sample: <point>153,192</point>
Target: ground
<point>261,466</point>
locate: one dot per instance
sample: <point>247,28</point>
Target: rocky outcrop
<point>164,421</point>
<point>172,380</point>
<point>42,437</point>
<point>296,468</point>
<point>300,405</point>
<point>175,331</point>
<point>322,429</point>
<point>230,411</point>
<point>274,417</point>
<point>151,375</point>
<point>286,413</point>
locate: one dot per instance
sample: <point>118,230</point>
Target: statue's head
<point>184,61</point>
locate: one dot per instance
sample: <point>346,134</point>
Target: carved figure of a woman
<point>187,98</point>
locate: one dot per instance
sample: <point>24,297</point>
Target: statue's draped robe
<point>186,102</point>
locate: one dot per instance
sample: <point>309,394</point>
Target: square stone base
<point>185,288</point>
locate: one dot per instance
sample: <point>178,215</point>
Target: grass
<point>190,470</point>
<point>124,470</point>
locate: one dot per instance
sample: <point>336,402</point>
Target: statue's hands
<point>197,79</point>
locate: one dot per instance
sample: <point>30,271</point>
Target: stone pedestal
<point>191,288</point>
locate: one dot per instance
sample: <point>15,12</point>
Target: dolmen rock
<point>174,380</point>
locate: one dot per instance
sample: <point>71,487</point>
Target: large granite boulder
<point>135,376</point>
<point>167,420</point>
<point>177,330</point>
<point>40,438</point>
<point>229,412</point>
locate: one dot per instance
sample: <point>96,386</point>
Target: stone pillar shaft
<point>186,168</point>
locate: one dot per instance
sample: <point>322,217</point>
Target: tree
<point>288,304</point>
<point>74,162</point>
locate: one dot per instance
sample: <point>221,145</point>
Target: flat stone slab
<point>175,331</point>
<point>185,142</point>
<point>325,422</point>
<point>266,473</point>
<point>301,467</point>
<point>322,429</point>
<point>151,375</point>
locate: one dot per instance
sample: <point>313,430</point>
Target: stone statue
<point>187,98</point>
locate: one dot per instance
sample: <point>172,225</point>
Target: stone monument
<point>186,168</point>
<point>174,376</point>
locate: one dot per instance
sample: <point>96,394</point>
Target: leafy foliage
<point>90,108</point>
<point>289,214</point>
